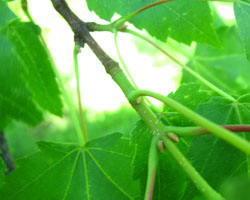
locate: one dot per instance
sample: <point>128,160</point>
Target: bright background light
<point>101,97</point>
<point>99,92</point>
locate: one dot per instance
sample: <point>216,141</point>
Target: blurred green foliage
<point>22,138</point>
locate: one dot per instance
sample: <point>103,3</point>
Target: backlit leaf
<point>242,15</point>
<point>15,99</point>
<point>39,74</point>
<point>100,170</point>
<point>226,68</point>
<point>184,21</point>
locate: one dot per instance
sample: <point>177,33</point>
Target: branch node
<point>79,40</point>
<point>122,27</point>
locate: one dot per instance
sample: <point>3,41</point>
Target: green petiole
<point>217,130</point>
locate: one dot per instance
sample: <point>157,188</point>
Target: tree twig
<point>82,34</point>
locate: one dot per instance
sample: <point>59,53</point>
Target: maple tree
<point>196,147</point>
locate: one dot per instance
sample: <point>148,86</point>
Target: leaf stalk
<point>217,130</point>
<point>189,70</point>
<point>76,67</point>
<point>196,178</point>
<point>152,168</point>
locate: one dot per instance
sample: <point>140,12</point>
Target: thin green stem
<point>122,61</point>
<point>152,168</point>
<point>97,27</point>
<point>71,107</point>
<point>65,95</point>
<point>84,130</point>
<point>217,130</point>
<point>189,70</point>
<point>154,108</point>
<point>196,178</point>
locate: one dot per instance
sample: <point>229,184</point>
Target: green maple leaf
<point>226,68</point>
<point>217,161</point>
<point>184,21</point>
<point>38,73</point>
<point>15,99</point>
<point>100,170</point>
<point>242,15</point>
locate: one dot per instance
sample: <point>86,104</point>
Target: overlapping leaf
<point>15,99</point>
<point>216,160</point>
<point>100,170</point>
<point>226,68</point>
<point>184,21</point>
<point>170,177</point>
<point>242,15</point>
<point>38,74</point>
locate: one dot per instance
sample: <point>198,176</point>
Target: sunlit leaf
<point>226,68</point>
<point>101,170</point>
<point>15,99</point>
<point>242,15</point>
<point>184,21</point>
<point>39,74</point>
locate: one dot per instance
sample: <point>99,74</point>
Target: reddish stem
<point>152,186</point>
<point>152,5</point>
<point>233,128</point>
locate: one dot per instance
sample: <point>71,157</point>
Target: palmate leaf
<point>184,21</point>
<point>170,177</point>
<point>38,73</point>
<point>242,15</point>
<point>15,99</point>
<point>217,161</point>
<point>226,68</point>
<point>100,170</point>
